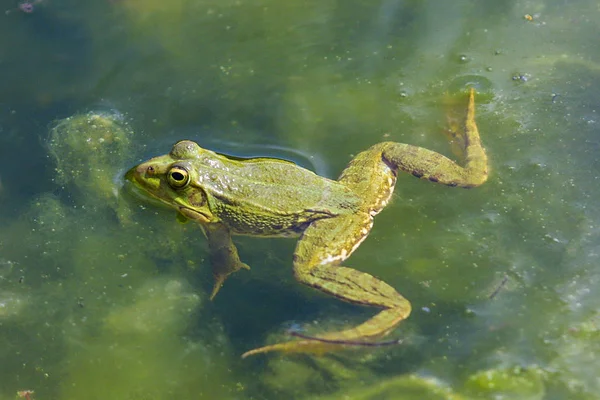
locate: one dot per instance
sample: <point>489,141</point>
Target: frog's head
<point>172,179</point>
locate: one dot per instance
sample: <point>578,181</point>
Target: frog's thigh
<point>323,246</point>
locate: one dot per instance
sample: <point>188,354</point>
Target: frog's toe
<point>299,346</point>
<point>218,285</point>
<point>220,277</point>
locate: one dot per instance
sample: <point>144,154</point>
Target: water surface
<point>106,297</point>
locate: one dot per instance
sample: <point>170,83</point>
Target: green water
<point>105,297</point>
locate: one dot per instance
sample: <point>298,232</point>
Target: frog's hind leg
<point>328,242</point>
<point>372,172</point>
<point>323,246</point>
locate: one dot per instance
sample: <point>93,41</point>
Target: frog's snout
<point>130,175</point>
<point>139,172</point>
<point>144,177</point>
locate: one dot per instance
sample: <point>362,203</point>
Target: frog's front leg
<point>323,247</point>
<point>224,257</point>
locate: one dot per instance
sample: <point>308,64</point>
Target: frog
<point>271,197</point>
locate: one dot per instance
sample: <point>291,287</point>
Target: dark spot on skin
<point>299,228</point>
<point>391,166</point>
<point>197,199</point>
<point>418,174</point>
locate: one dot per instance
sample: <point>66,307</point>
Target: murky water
<point>103,296</point>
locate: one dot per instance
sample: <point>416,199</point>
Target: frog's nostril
<point>145,170</point>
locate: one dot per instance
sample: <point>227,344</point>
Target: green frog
<point>272,197</point>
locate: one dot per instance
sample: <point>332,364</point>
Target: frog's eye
<point>178,177</point>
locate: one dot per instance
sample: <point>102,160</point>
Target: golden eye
<point>178,177</point>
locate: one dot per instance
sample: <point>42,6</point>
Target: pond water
<point>104,296</point>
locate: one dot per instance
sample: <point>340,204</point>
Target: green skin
<point>271,197</point>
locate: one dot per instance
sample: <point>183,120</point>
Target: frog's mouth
<point>132,189</point>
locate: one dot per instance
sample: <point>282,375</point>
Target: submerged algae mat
<point>105,297</point>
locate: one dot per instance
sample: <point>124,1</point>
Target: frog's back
<point>265,196</point>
